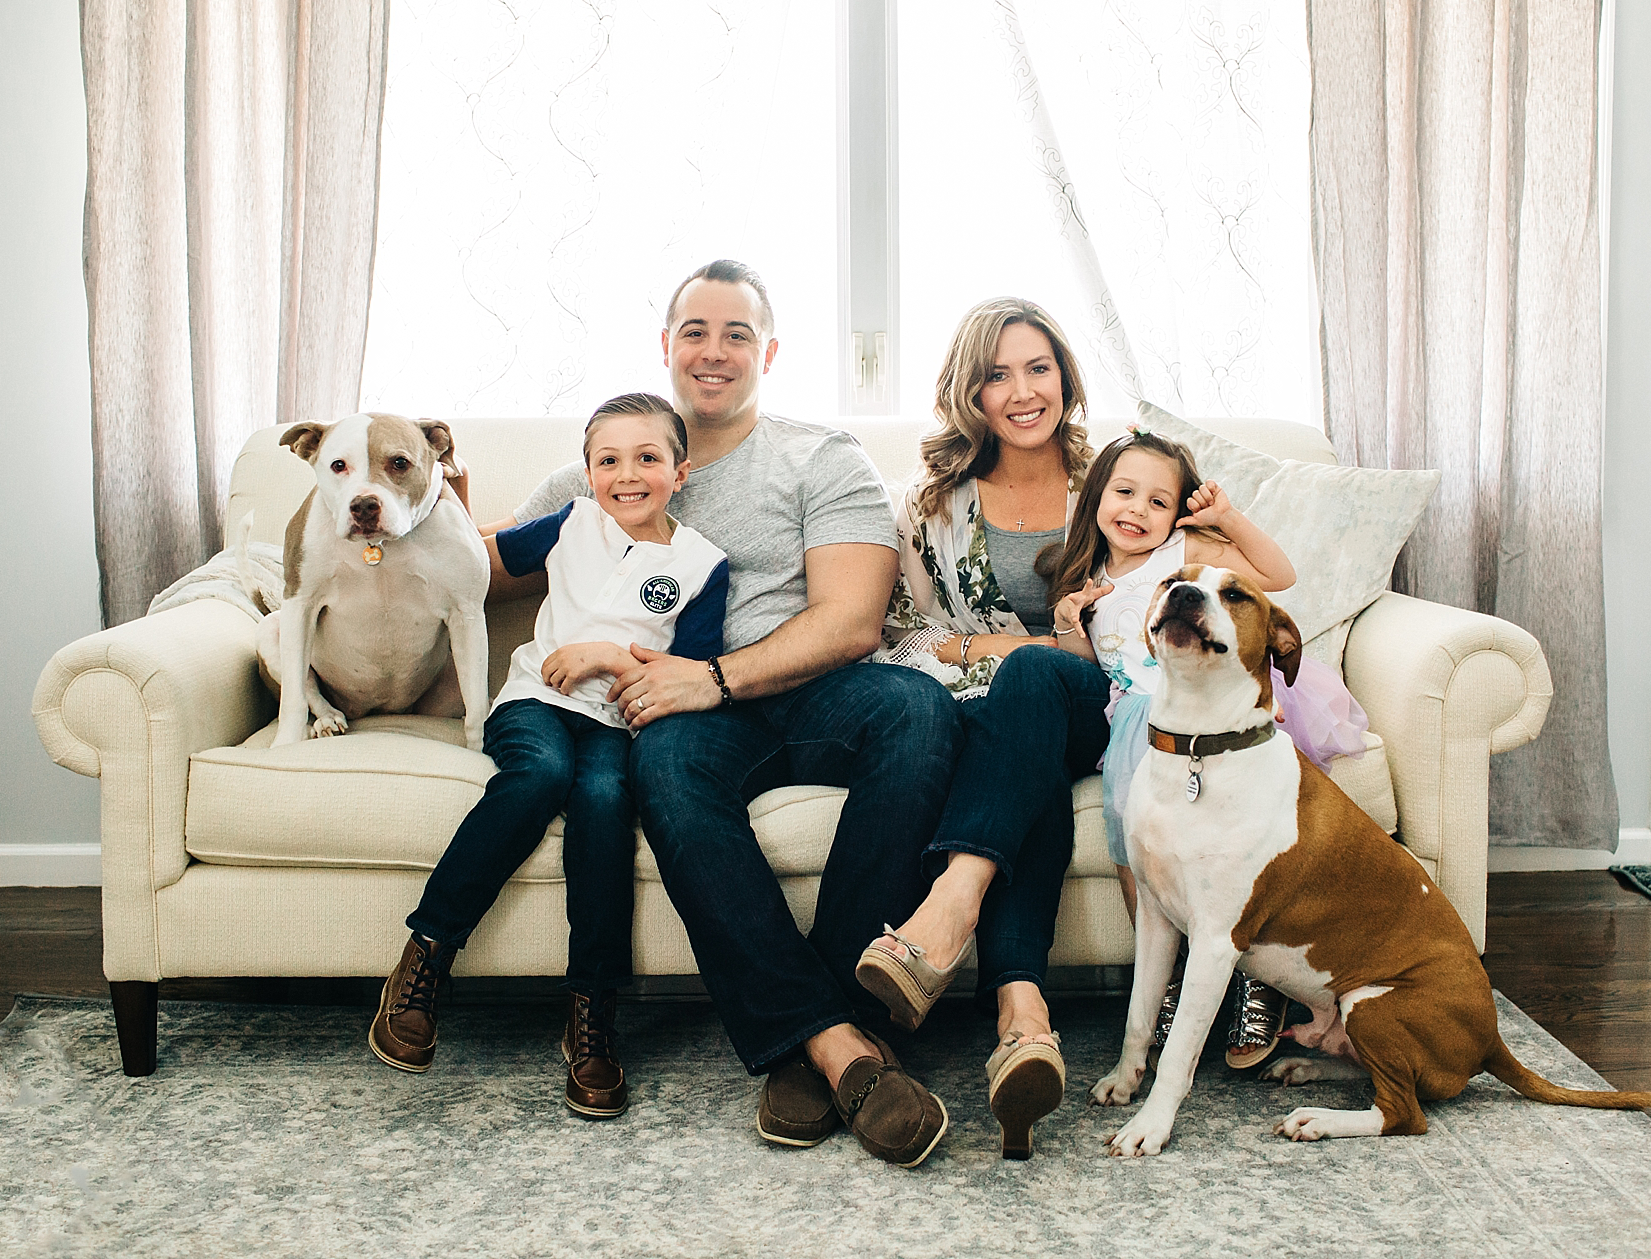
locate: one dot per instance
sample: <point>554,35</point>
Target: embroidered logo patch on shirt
<point>659,594</point>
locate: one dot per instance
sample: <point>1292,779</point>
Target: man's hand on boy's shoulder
<point>657,685</point>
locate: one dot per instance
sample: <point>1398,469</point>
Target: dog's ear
<point>1284,644</point>
<point>305,439</point>
<point>440,438</point>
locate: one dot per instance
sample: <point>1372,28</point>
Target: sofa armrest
<point>130,705</point>
<point>1446,688</point>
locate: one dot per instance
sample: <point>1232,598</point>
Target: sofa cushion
<point>388,795</point>
<point>396,788</point>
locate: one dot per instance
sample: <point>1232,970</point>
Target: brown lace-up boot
<point>403,1033</point>
<point>596,1082</point>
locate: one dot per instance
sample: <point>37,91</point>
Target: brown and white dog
<point>1265,865</point>
<point>384,574</point>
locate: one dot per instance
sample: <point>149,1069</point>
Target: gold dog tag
<point>372,553</point>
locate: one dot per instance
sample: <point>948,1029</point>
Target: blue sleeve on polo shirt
<point>524,548</point>
<point>699,624</point>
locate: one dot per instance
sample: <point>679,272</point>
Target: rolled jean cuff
<point>423,928</point>
<point>933,864</point>
<point>789,1048</point>
<point>1009,977</point>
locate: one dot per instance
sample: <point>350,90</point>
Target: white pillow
<point>1341,527</point>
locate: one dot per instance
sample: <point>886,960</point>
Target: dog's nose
<point>1184,598</point>
<point>364,510</point>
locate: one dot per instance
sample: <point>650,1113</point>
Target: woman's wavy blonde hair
<point>965,445</point>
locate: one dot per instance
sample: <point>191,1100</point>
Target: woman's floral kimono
<point>946,587</point>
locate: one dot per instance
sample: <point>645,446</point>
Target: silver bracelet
<point>1072,630</point>
<point>964,650</point>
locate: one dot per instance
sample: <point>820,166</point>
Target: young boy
<point>621,572</point>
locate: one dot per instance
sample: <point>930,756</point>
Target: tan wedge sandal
<point>908,985</point>
<point>1027,1079</point>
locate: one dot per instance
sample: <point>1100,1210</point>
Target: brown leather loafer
<point>596,1085</point>
<point>403,1033</point>
<point>895,1118</point>
<point>796,1107</point>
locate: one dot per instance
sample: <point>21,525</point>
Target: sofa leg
<point>136,1014</point>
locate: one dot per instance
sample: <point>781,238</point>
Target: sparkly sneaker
<point>1258,1017</point>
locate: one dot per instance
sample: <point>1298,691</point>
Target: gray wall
<point>1628,419</point>
<point>48,574</point>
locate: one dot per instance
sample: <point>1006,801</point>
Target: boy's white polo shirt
<point>607,587</point>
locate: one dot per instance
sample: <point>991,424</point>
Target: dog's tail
<point>1517,1076</point>
<point>264,596</point>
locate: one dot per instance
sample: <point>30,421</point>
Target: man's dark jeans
<point>889,735</point>
<point>1041,727</point>
<point>550,759</point>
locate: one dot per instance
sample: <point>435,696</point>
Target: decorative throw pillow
<point>1341,527</point>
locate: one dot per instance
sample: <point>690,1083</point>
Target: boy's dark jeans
<point>550,760</point>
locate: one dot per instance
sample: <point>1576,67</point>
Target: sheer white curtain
<point>552,169</point>
<point>1455,197</point>
<point>1139,168</point>
<point>231,184</point>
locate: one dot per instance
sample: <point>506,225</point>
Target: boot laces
<point>418,988</point>
<point>593,1030</point>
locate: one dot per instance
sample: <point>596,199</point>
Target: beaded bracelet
<point>715,666</point>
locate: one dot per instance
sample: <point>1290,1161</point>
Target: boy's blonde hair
<point>676,432</point>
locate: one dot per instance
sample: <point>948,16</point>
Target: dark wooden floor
<point>1573,950</point>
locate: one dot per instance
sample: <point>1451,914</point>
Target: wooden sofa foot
<point>136,1013</point>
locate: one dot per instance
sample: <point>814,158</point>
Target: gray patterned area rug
<point>272,1130</point>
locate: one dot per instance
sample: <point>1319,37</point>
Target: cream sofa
<point>223,856</point>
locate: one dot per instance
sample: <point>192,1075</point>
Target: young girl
<point>1130,531</point>
<point>620,572</point>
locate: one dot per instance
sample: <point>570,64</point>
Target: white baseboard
<point>1633,849</point>
<point>51,865</point>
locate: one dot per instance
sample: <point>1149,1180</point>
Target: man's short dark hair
<point>727,271</point>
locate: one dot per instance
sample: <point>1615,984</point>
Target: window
<point>551,170</point>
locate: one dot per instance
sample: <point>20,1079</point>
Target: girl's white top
<point>1118,630</point>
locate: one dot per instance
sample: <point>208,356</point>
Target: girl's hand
<point>1207,507</point>
<point>1068,613</point>
<point>568,666</point>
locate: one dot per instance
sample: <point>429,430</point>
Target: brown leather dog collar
<point>1208,744</point>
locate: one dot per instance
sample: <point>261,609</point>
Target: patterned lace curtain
<point>1140,169</point>
<point>553,169</point>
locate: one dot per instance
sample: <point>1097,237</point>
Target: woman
<point>996,488</point>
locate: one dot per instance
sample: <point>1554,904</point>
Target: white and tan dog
<point>385,578</point>
<point>1265,865</point>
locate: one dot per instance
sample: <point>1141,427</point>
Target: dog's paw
<point>329,724</point>
<point>1304,1123</point>
<point>1116,1088</point>
<point>1137,1137</point>
<point>1288,1071</point>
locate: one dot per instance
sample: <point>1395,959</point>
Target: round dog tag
<point>372,553</point>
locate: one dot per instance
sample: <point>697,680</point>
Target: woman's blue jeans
<point>549,760</point>
<point>1039,729</point>
<point>886,733</point>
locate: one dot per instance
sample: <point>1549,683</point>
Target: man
<point>809,534</point>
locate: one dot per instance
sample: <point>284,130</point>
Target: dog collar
<point>1198,746</point>
<point>1202,745</point>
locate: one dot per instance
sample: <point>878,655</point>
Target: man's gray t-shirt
<point>787,488</point>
